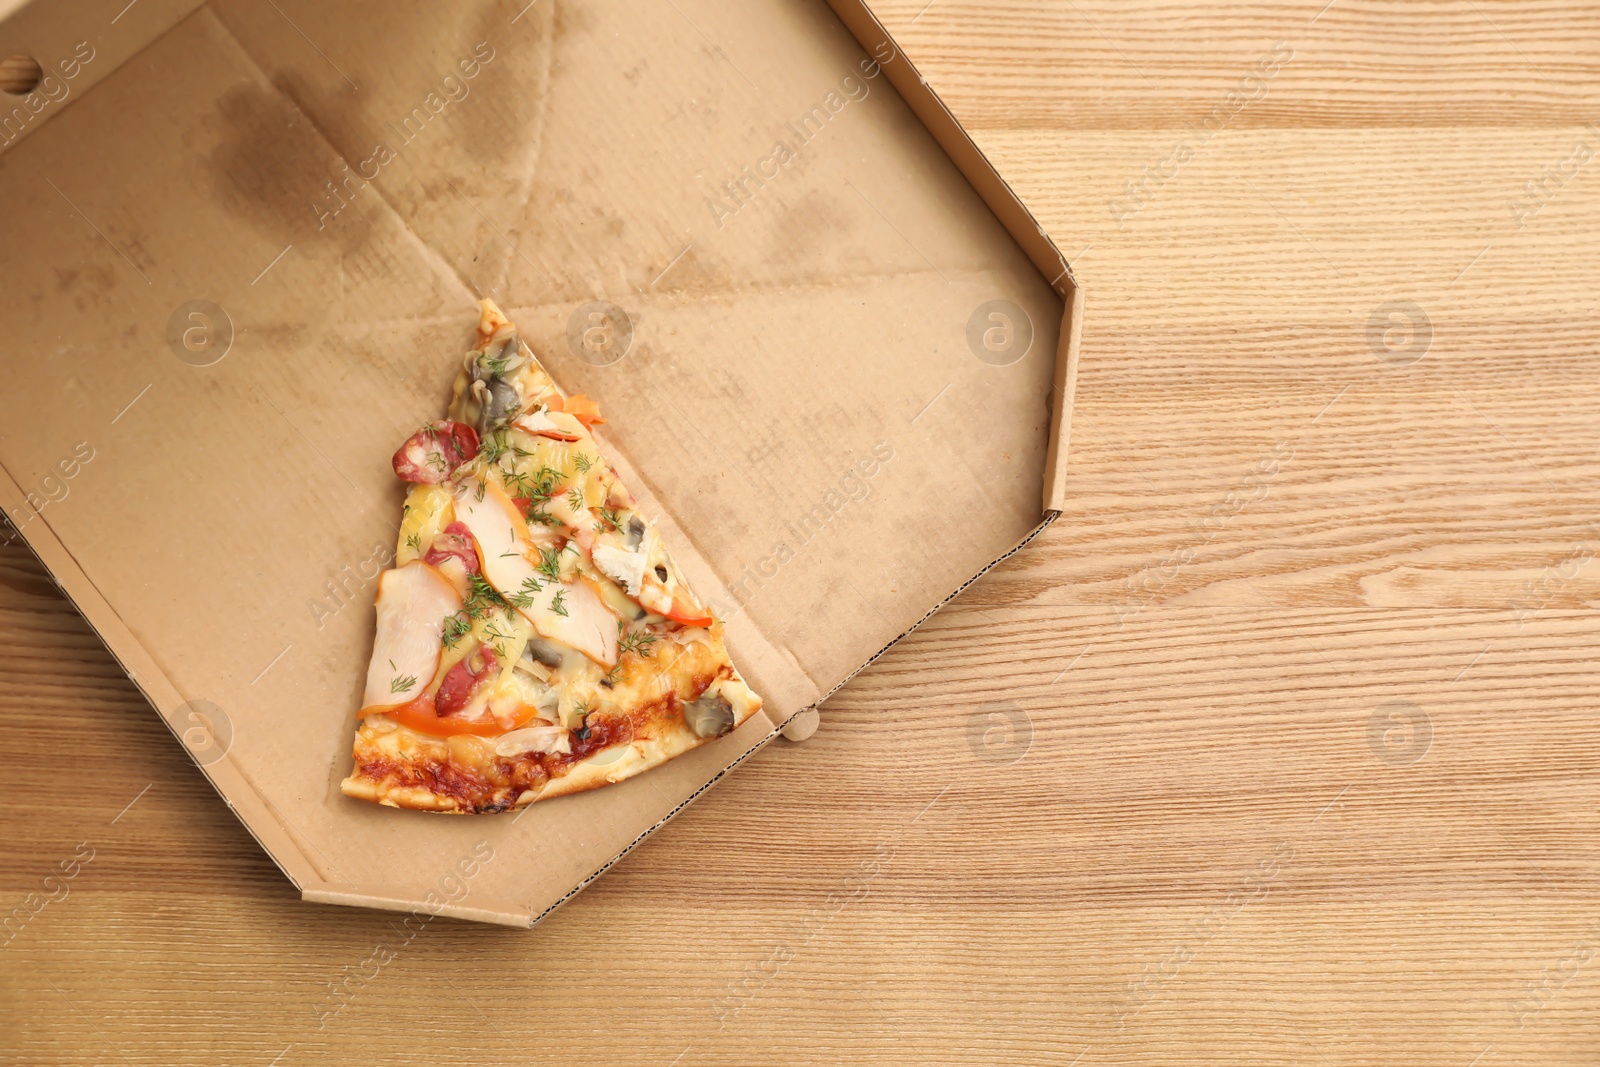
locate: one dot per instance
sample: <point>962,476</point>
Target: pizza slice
<point>534,638</point>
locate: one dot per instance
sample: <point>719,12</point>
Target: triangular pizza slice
<point>534,637</point>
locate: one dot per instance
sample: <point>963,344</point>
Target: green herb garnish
<point>523,598</point>
<point>493,446</point>
<point>456,627</point>
<point>482,597</point>
<point>497,638</point>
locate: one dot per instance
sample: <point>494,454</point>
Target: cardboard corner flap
<point>1063,388</point>
<point>747,234</point>
<point>404,900</point>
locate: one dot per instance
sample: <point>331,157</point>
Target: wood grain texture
<point>1279,747</point>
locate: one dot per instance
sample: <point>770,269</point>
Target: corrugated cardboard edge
<point>1008,208</point>
<point>395,900</point>
<point>272,833</point>
<point>502,914</point>
<point>690,799</point>
<point>1050,516</point>
<point>1062,392</point>
<point>957,144</point>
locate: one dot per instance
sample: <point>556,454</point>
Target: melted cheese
<point>428,511</point>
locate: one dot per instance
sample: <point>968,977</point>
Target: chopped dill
<point>639,642</point>
<point>523,598</point>
<point>456,627</point>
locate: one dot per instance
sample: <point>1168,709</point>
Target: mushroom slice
<point>541,651</point>
<point>709,716</point>
<point>504,401</point>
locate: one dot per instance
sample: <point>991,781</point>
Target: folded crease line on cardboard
<point>394,899</point>
<point>1063,388</point>
<point>1050,516</point>
<point>439,262</point>
<point>757,747</point>
<point>151,681</point>
<point>408,253</point>
<point>940,121</point>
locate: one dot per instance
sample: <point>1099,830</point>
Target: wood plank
<point>1277,748</point>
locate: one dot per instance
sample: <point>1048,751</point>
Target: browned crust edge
<point>657,736</point>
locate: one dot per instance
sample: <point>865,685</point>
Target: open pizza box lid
<point>243,245</point>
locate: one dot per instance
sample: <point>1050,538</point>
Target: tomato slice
<point>584,409</point>
<point>580,406</point>
<point>653,597</point>
<point>419,715</point>
<point>689,616</point>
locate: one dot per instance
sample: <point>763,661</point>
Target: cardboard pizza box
<point>243,246</point>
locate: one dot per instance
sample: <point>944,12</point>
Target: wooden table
<point>1304,768</point>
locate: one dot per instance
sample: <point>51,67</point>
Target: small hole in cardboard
<point>19,75</point>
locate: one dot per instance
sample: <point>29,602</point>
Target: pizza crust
<point>384,755</point>
<point>606,768</point>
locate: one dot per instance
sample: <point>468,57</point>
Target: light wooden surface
<point>1303,685</point>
